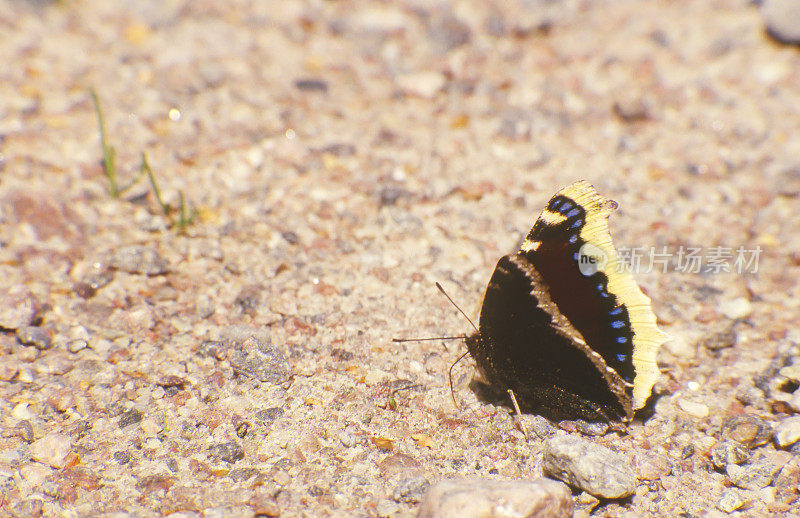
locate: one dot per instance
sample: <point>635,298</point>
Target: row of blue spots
<point>602,289</point>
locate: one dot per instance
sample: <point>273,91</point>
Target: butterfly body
<point>573,338</point>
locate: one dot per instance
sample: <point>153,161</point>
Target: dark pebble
<point>262,361</point>
<point>35,336</point>
<point>729,452</point>
<point>721,340</point>
<point>270,414</point>
<point>311,85</point>
<point>139,259</point>
<point>410,490</point>
<point>750,430</point>
<point>122,457</point>
<point>130,417</point>
<point>229,452</point>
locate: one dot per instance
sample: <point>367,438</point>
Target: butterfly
<point>562,324</point>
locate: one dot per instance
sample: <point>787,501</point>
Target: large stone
<point>588,466</point>
<point>481,498</point>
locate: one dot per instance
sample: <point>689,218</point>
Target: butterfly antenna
<point>450,375</point>
<point>456,306</point>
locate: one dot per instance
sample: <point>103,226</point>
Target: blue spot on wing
<point>622,339</point>
<point>577,224</point>
<point>615,311</point>
<point>621,357</point>
<point>566,206</point>
<point>572,213</point>
<point>617,324</point>
<point>575,256</point>
<point>572,239</point>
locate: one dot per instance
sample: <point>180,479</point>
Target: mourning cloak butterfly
<point>562,324</point>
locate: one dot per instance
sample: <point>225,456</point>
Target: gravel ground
<point>340,157</point>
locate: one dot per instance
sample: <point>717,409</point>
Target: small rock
<point>24,430</point>
<point>77,345</point>
<point>139,259</point>
<point>728,452</point>
<point>35,336</point>
<point>650,466</point>
<point>260,360</point>
<point>787,432</point>
<point>18,307</point>
<point>424,84</point>
<point>735,309</point>
<point>401,465</point>
<point>749,395</point>
<point>52,449</point>
<point>721,340</point>
<point>130,417</point>
<point>693,408</point>
<point>541,427</point>
<point>410,490</point>
<point>30,508</point>
<point>750,430</point>
<point>596,429</point>
<point>229,511</point>
<point>122,457</point>
<point>311,85</point>
<point>8,369</point>
<point>752,476</point>
<point>782,20</point>
<point>484,498</point>
<point>631,108</point>
<point>228,451</point>
<point>449,32</point>
<point>588,466</point>
<point>731,501</point>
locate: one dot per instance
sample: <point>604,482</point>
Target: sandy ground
<point>341,157</point>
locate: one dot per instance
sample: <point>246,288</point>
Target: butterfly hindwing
<point>526,345</point>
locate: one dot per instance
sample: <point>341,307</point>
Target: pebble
<point>541,427</point>
<point>130,417</point>
<point>728,452</point>
<point>485,498</point>
<point>52,449</point>
<point>735,309</point>
<point>24,430</point>
<point>260,360</point>
<point>30,508</point>
<point>35,336</point>
<point>8,369</point>
<point>731,500</point>
<point>410,490</point>
<point>651,466</point>
<point>787,432</point>
<point>782,19</point>
<point>588,466</point>
<point>721,340</point>
<point>424,84</point>
<point>693,408</point>
<point>750,430</point>
<point>77,345</point>
<point>227,451</point>
<point>752,476</point>
<point>18,307</point>
<point>139,259</point>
